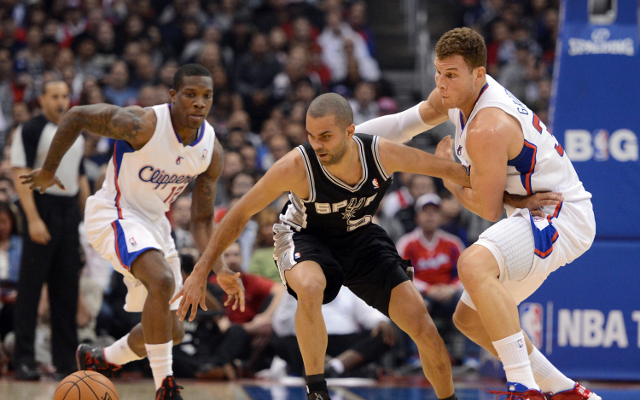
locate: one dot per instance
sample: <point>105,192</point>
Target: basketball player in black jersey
<point>325,238</point>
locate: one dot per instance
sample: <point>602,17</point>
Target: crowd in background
<point>268,59</point>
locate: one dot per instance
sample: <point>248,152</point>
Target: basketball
<point>86,385</point>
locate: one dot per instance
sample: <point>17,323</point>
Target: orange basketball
<point>86,385</point>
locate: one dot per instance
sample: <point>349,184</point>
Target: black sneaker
<point>91,358</point>
<point>26,373</point>
<point>169,390</point>
<point>318,396</point>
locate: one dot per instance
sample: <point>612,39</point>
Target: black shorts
<point>366,261</point>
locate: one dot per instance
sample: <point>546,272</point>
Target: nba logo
<point>375,183</point>
<point>601,145</point>
<point>132,242</point>
<point>178,160</point>
<point>459,151</point>
<point>531,315</point>
<point>204,154</point>
<point>297,255</point>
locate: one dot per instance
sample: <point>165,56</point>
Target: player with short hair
<point>505,147</point>
<point>159,150</point>
<point>325,238</point>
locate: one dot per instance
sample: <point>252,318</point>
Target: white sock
<point>120,353</point>
<point>515,360</point>
<point>337,365</point>
<point>548,376</point>
<point>160,358</point>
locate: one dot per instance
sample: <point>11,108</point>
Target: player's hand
<point>193,293</point>
<point>445,148</point>
<point>38,232</point>
<point>534,202</point>
<point>388,333</point>
<point>231,283</point>
<point>39,178</point>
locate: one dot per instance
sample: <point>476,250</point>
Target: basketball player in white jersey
<point>505,147</point>
<point>159,150</point>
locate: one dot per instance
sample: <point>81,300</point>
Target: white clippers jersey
<point>541,165</point>
<point>145,182</point>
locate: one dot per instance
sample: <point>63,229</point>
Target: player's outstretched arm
<point>133,124</point>
<point>287,174</point>
<point>402,126</point>
<point>400,158</point>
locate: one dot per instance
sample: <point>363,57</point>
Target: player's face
<point>55,100</point>
<point>429,218</point>
<point>327,139</point>
<point>455,81</point>
<point>192,101</point>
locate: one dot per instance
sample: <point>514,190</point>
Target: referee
<point>51,251</point>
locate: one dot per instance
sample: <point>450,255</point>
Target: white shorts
<point>120,241</point>
<point>548,243</point>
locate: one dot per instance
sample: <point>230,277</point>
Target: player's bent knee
<point>310,291</point>
<point>460,321</point>
<point>177,335</point>
<point>163,284</point>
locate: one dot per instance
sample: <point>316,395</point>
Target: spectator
<point>181,223</point>
<point>10,254</point>
<point>513,75</point>
<point>357,334</point>
<point>118,90</point>
<point>434,255</point>
<point>363,104</point>
<point>261,299</point>
<point>333,41</point>
<point>262,260</point>
<point>254,79</point>
<point>358,22</point>
<point>211,342</point>
<point>6,96</point>
<point>416,187</point>
<point>53,259</point>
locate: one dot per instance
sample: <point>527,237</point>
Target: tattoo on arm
<point>102,119</point>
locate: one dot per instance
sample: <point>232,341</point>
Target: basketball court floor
<point>292,389</point>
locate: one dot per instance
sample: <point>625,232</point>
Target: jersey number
<point>175,192</point>
<point>540,126</point>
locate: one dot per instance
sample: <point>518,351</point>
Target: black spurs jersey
<point>335,208</point>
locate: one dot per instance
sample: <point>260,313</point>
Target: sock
<point>316,383</point>
<point>120,353</point>
<point>160,359</point>
<point>548,376</point>
<point>337,365</point>
<point>452,397</point>
<point>515,360</point>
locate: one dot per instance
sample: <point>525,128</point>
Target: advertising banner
<point>595,112</point>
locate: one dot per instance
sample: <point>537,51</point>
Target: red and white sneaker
<point>578,392</point>
<point>517,391</point>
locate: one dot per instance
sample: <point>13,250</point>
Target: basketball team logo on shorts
<point>531,315</point>
<point>297,255</point>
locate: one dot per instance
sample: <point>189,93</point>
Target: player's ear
<point>480,72</point>
<point>351,129</point>
<point>173,94</point>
